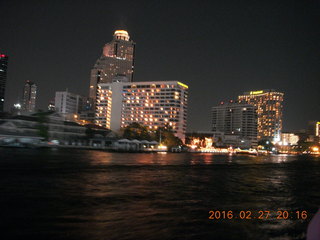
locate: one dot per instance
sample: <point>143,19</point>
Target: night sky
<point>219,48</point>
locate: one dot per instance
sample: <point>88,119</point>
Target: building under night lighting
<point>269,110</point>
<point>289,139</point>
<point>235,119</point>
<point>313,128</point>
<point>117,59</point>
<point>67,103</point>
<point>29,97</point>
<point>152,104</point>
<point>3,78</point>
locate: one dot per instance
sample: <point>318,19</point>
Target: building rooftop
<point>122,34</point>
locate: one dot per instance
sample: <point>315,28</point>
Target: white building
<point>152,104</point>
<point>67,103</point>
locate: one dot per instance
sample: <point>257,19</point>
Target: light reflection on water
<point>106,158</point>
<point>74,194</point>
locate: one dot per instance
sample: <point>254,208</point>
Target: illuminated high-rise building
<point>117,59</point>
<point>152,104</point>
<point>29,97</point>
<point>269,109</point>
<point>3,78</point>
<point>237,120</point>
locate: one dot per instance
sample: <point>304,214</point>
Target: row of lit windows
<point>150,86</point>
<point>153,90</point>
<point>163,103</point>
<point>152,117</point>
<point>161,100</point>
<point>137,91</point>
<point>150,124</point>
<point>153,110</point>
<point>150,112</point>
<point>150,120</point>
<point>154,96</point>
<point>124,124</point>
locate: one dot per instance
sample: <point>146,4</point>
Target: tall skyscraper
<point>236,119</point>
<point>29,96</point>
<point>3,78</point>
<point>152,104</point>
<point>117,59</point>
<point>269,109</point>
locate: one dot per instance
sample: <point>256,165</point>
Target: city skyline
<point>220,52</point>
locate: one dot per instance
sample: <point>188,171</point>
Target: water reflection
<point>101,195</point>
<point>107,158</point>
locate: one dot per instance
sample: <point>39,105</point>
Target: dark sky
<point>219,48</point>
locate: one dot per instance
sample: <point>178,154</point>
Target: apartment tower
<point>269,109</point>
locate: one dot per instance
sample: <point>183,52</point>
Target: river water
<point>81,194</point>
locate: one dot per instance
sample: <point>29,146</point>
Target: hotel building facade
<point>117,59</point>
<point>152,104</point>
<point>269,105</point>
<point>235,119</point>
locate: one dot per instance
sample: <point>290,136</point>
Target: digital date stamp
<point>258,215</point>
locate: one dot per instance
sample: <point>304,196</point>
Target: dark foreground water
<point>77,194</point>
